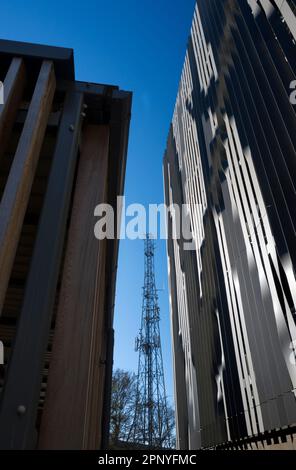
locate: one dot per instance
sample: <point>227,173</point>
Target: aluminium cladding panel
<point>272,190</point>
<point>241,64</point>
<point>233,143</point>
<point>173,195</point>
<point>194,350</point>
<point>193,353</point>
<point>288,11</point>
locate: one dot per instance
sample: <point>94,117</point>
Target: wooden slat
<point>73,404</point>
<point>17,191</point>
<point>22,384</point>
<point>13,89</point>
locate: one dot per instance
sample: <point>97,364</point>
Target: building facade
<point>63,147</point>
<point>231,157</point>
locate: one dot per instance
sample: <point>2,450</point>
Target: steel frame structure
<point>150,425</point>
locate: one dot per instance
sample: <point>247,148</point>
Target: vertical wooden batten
<point>13,89</point>
<point>65,154</point>
<point>18,187</point>
<point>74,398</point>
<point>17,431</point>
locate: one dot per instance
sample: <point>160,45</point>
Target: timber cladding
<point>63,146</point>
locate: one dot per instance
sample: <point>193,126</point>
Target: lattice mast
<point>151,426</point>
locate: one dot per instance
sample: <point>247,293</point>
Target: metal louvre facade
<point>231,156</point>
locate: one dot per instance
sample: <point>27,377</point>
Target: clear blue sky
<point>140,46</point>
